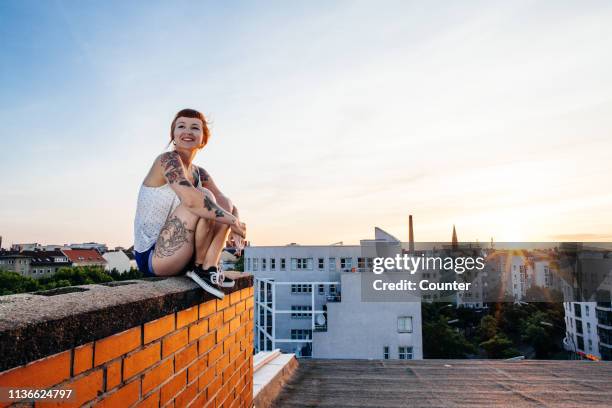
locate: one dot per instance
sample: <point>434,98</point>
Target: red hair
<point>191,113</point>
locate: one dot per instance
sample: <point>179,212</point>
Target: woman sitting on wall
<point>181,215</point>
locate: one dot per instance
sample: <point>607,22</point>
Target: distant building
<point>228,260</point>
<point>27,247</point>
<point>101,248</point>
<point>14,261</point>
<point>307,298</point>
<point>85,257</point>
<point>117,260</point>
<point>34,264</point>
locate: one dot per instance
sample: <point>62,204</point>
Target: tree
<point>488,327</point>
<point>239,265</point>
<point>12,282</point>
<point>440,340</point>
<point>499,346</point>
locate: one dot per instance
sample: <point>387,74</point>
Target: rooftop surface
<point>448,383</point>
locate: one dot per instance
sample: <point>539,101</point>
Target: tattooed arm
<point>198,202</point>
<point>207,182</point>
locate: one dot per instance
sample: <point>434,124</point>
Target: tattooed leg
<point>175,245</point>
<point>172,237</point>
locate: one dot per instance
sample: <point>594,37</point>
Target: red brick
<point>222,332</point>
<point>172,387</point>
<point>207,308</point>
<point>157,375</point>
<point>206,344</point>
<point>249,303</point>
<point>215,321</point>
<point>244,293</point>
<point>152,401</point>
<point>141,360</point>
<point>159,328</point>
<point>186,396</point>
<point>198,330</point>
<point>123,397</point>
<point>184,317</point>
<point>222,363</point>
<point>83,359</point>
<point>229,313</point>
<point>222,303</point>
<point>185,357</point>
<point>215,353</point>
<point>174,342</point>
<point>234,325</point>
<point>200,401</point>
<point>42,373</point>
<point>234,298</point>
<point>206,378</point>
<point>113,374</point>
<point>116,345</point>
<point>213,387</point>
<point>241,307</point>
<point>83,390</point>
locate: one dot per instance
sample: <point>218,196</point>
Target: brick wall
<point>197,357</point>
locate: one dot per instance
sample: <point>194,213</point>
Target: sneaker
<point>220,277</point>
<point>206,280</point>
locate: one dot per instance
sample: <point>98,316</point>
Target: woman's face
<point>188,133</point>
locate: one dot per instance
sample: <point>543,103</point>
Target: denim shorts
<point>144,260</point>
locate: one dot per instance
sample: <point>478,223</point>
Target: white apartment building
<point>308,302</point>
<point>581,328</point>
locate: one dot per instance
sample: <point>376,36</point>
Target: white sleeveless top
<point>154,206</point>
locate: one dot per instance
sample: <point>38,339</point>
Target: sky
<point>327,118</point>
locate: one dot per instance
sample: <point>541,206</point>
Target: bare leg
<point>175,244</point>
<point>203,237</point>
<point>219,238</point>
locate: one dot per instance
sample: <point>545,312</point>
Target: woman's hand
<point>239,228</point>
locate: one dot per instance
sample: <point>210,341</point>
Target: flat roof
<point>447,383</point>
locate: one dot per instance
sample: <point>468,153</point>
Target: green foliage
<point>239,265</point>
<point>488,327</point>
<point>12,282</point>
<point>499,346</point>
<point>440,340</point>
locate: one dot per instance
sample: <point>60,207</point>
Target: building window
<point>579,326</point>
<point>588,327</point>
<point>282,264</point>
<point>300,308</point>
<point>346,263</point>
<point>263,264</point>
<point>580,342</point>
<point>272,264</point>
<point>590,345</point>
<point>586,310</point>
<point>321,289</point>
<point>301,264</point>
<point>404,324</point>
<point>332,264</point>
<point>386,352</point>
<point>255,264</point>
<point>248,264</point>
<point>577,310</point>
<point>321,263</point>
<point>301,334</point>
<point>301,288</point>
<point>333,290</point>
<point>404,353</point>
<point>361,263</point>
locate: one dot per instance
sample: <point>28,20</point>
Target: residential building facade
<point>308,302</point>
